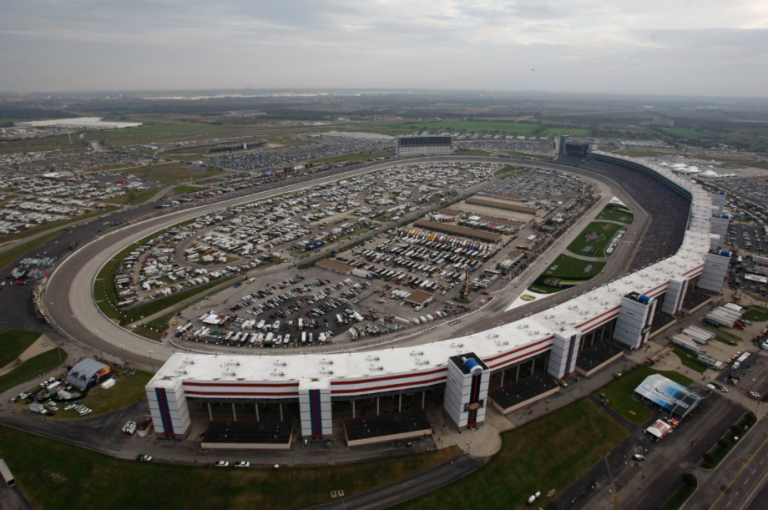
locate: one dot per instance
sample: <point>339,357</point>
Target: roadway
<point>69,301</point>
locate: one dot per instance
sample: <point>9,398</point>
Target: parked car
<point>242,464</point>
<point>222,463</point>
<point>144,458</point>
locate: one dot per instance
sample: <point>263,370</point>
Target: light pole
<point>122,348</point>
<point>151,361</point>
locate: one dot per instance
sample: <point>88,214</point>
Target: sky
<point>665,47</point>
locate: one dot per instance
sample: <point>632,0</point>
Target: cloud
<point>580,45</point>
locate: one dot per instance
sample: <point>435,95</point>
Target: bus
<point>6,473</point>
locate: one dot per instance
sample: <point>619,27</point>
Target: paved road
<point>404,490</point>
<point>742,483</point>
<point>69,301</point>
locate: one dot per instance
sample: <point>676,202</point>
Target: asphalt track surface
<point>70,305</point>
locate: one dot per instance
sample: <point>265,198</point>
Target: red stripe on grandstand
<point>242,385</point>
<point>692,270</point>
<point>389,378</point>
<point>242,394</point>
<point>520,357</point>
<point>598,317</point>
<point>389,386</point>
<point>609,319</point>
<point>494,358</point>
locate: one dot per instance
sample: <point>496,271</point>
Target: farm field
<point>567,131</point>
<point>511,128</point>
<point>686,133</point>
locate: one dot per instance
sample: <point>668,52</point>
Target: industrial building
<point>620,312</point>
<point>423,146</point>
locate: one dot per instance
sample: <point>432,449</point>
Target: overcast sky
<point>690,47</point>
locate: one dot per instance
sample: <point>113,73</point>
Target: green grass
<point>126,391</point>
<point>472,152</point>
<point>180,190</point>
<point>617,212</point>
<point>725,444</point>
<point>155,173</point>
<point>620,392</point>
<point>506,170</point>
<point>757,314</point>
<point>75,478</point>
<point>158,305</point>
<point>539,456</point>
<point>580,244</point>
<point>680,496</point>
<point>564,273</point>
<point>13,342</point>
<point>688,359</point>
<point>8,256</point>
<point>686,133</point>
<point>32,368</point>
<point>512,128</point>
<point>567,131</point>
<point>722,332</point>
<point>154,329</point>
<point>134,197</point>
<point>348,157</point>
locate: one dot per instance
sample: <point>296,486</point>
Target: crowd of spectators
<point>669,210</point>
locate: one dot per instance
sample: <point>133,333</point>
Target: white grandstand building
<point>621,310</point>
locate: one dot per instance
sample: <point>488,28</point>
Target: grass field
<point>594,239</point>
<point>680,496</point>
<point>348,157</point>
<point>32,368</point>
<point>175,173</point>
<point>512,128</point>
<point>180,190</point>
<point>567,131</point>
<point>539,456</point>
<point>617,212</point>
<point>757,314</point>
<point>620,392</point>
<point>688,359</point>
<point>74,478</point>
<point>126,391</point>
<point>14,253</point>
<point>564,273</point>
<point>158,305</point>
<point>686,133</point>
<point>135,197</point>
<point>13,342</point>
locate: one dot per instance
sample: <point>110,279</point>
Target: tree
<point>690,480</point>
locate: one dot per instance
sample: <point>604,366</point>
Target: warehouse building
<point>500,204</point>
<point>408,146</point>
<point>336,266</point>
<point>459,231</point>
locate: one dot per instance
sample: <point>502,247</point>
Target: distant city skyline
<point>656,47</point>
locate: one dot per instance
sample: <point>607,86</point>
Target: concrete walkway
<point>39,346</point>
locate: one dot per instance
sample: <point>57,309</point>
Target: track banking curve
<point>68,299</point>
<point>70,304</point>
